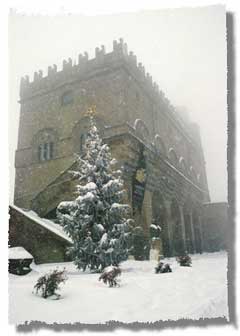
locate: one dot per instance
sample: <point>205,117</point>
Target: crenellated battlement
<point>100,52</point>
<point>85,65</point>
<point>120,47</point>
<point>82,58</point>
<point>132,59</point>
<point>74,71</point>
<point>67,64</point>
<point>52,70</point>
<point>38,75</point>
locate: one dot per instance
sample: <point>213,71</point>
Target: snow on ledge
<point>18,253</point>
<point>46,223</point>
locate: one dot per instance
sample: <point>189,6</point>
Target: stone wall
<point>42,244</point>
<point>215,226</point>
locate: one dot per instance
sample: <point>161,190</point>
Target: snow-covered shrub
<point>163,268</point>
<point>49,283</point>
<point>109,275</point>
<point>155,231</point>
<point>184,260</point>
<point>97,220</point>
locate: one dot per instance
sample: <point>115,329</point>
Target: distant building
<point>161,153</point>
<point>215,226</point>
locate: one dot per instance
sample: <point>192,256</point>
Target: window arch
<point>80,131</point>
<point>141,129</point>
<point>44,145</point>
<point>67,97</point>
<point>159,145</point>
<point>173,158</point>
<point>182,165</point>
<point>193,174</point>
<point>45,151</point>
<point>200,179</point>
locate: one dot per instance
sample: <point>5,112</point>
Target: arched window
<point>159,144</point>
<point>141,129</point>
<point>200,179</point>
<point>193,174</point>
<point>44,145</point>
<point>45,151</point>
<point>173,157</point>
<point>80,133</point>
<point>67,98</point>
<point>182,165</point>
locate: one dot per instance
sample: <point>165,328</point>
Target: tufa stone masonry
<point>159,151</point>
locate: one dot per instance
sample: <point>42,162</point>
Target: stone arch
<point>200,179</point>
<point>81,129</point>
<point>193,174</point>
<point>159,217</point>
<point>182,165</point>
<point>141,129</point>
<point>46,136</point>
<point>159,144</point>
<point>173,158</point>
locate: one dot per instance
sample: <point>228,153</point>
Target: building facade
<point>216,227</point>
<point>159,150</point>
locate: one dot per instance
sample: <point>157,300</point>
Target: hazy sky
<point>183,49</point>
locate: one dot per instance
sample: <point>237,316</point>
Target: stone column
<point>146,216</point>
<point>147,211</point>
<point>182,227</point>
<point>192,232</point>
<point>201,233</point>
<point>169,226</point>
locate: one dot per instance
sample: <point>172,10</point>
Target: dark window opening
<point>67,98</point>
<point>45,151</point>
<point>52,215</point>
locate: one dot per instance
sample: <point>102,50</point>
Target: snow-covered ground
<point>193,292</point>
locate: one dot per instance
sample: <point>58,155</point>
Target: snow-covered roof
<point>18,253</point>
<point>46,223</point>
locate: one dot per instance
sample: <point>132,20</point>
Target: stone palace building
<point>158,148</point>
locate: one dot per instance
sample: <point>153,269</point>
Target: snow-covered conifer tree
<point>97,220</point>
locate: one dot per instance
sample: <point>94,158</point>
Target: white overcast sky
<point>183,49</point>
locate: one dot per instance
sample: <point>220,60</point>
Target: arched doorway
<point>178,242</point>
<point>159,216</point>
